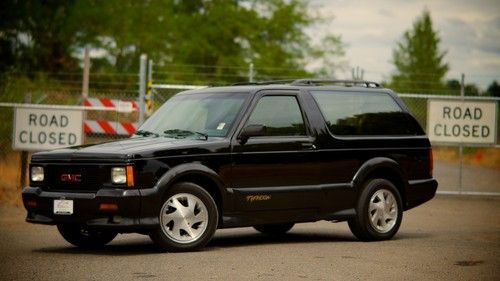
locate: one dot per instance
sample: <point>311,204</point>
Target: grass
<point>10,173</point>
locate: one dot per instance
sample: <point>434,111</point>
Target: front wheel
<point>81,236</point>
<point>188,219</point>
<point>379,211</point>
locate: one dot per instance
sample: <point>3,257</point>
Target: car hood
<point>135,148</point>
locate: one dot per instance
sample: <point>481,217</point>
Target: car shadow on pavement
<point>134,247</point>
<point>252,239</point>
<point>144,246</point>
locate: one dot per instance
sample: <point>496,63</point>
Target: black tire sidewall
<point>162,240</point>
<point>364,225</point>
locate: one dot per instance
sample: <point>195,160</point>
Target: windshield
<point>195,115</point>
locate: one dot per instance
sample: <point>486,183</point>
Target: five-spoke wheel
<point>184,218</point>
<point>378,211</point>
<point>188,218</point>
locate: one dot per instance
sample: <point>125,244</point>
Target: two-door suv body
<point>266,155</point>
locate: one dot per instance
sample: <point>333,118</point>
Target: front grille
<point>76,177</point>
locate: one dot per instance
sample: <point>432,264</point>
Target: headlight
<point>37,173</point>
<point>118,175</point>
<point>123,175</point>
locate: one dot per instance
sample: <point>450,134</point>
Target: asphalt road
<point>449,238</point>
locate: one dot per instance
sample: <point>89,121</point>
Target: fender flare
<point>190,169</point>
<point>378,163</point>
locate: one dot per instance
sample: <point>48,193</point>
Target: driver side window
<point>280,114</point>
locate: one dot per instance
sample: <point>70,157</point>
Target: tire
<point>83,237</point>
<point>188,219</point>
<point>379,211</point>
<point>274,229</point>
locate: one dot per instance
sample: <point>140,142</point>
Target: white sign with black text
<point>472,122</point>
<point>45,129</point>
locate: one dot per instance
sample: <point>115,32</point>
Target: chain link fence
<point>480,165</point>
<point>474,171</point>
<point>101,122</point>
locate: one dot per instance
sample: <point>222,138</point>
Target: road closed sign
<point>472,122</point>
<point>45,129</point>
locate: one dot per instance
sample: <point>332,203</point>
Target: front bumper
<point>419,192</point>
<point>86,209</point>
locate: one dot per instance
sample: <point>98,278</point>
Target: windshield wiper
<point>145,133</point>
<point>184,133</point>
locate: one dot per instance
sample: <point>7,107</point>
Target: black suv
<point>266,155</point>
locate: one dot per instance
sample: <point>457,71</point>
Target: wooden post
<point>24,154</point>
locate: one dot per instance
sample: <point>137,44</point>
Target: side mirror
<point>251,131</point>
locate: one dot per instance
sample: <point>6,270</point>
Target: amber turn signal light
<point>130,176</point>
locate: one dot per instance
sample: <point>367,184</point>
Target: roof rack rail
<point>270,82</point>
<point>347,83</point>
<point>313,82</point>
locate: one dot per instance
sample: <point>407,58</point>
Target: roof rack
<point>314,82</point>
<point>347,83</point>
<point>270,82</point>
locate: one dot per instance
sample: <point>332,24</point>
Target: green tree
<point>39,35</point>
<point>189,41</point>
<point>420,66</point>
<point>493,89</point>
<point>453,87</point>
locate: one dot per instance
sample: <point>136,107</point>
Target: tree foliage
<point>187,40</point>
<point>419,62</point>
<point>493,89</point>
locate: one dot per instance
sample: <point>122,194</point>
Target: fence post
<point>149,90</point>
<point>86,74</point>
<point>250,73</point>
<point>461,147</point>
<point>85,82</point>
<point>24,153</point>
<point>142,87</point>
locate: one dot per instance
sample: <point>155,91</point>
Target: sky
<point>370,30</point>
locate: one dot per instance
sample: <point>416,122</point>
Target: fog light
<point>108,207</point>
<point>30,204</point>
<point>37,174</point>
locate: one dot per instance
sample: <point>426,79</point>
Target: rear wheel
<point>81,236</point>
<point>188,219</point>
<point>378,213</point>
<point>274,229</point>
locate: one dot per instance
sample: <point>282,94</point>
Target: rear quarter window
<point>370,114</point>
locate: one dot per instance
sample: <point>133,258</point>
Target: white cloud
<point>469,31</point>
